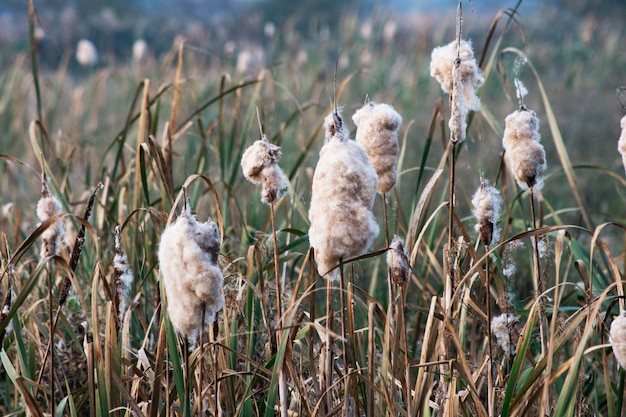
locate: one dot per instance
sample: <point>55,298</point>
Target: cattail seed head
<point>621,144</point>
<point>398,261</point>
<point>343,193</point>
<point>487,203</point>
<point>377,130</point>
<point>506,330</point>
<point>192,278</point>
<point>48,206</point>
<point>260,166</point>
<point>524,153</point>
<point>618,338</point>
<point>442,63</point>
<point>122,276</point>
<point>86,53</point>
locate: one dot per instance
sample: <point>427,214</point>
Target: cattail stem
<point>539,284</point>
<point>52,323</point>
<point>282,383</point>
<point>343,338</point>
<point>490,402</point>
<point>328,365</point>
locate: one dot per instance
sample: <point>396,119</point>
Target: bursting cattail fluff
<point>455,67</point>
<point>122,276</point>
<point>618,338</point>
<point>192,278</point>
<point>377,130</point>
<point>343,192</point>
<point>505,328</point>
<point>86,53</point>
<point>524,152</point>
<point>398,261</point>
<point>621,144</point>
<point>260,166</point>
<point>48,206</point>
<point>487,203</point>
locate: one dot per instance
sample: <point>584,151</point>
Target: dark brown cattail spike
<point>486,231</point>
<point>78,245</point>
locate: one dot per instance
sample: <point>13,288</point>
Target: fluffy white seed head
<point>48,206</point>
<point>618,338</point>
<point>377,130</point>
<point>86,53</point>
<point>122,275</point>
<point>621,144</point>
<point>398,261</point>
<point>140,50</point>
<point>524,153</point>
<point>470,78</point>
<point>506,330</point>
<point>487,203</point>
<point>343,192</point>
<point>260,166</point>
<point>192,278</point>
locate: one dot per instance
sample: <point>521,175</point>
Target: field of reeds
<point>491,285</point>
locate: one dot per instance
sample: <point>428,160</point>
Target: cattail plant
<point>122,277</point>
<point>192,278</point>
<point>86,53</point>
<point>621,144</point>
<point>47,207</point>
<point>377,130</point>
<point>487,203</point>
<point>343,192</point>
<point>618,338</point>
<point>260,166</point>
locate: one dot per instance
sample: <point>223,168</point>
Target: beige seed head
<point>260,166</point>
<point>487,203</point>
<point>621,144</point>
<point>122,276</point>
<point>377,130</point>
<point>47,207</point>
<point>398,261</point>
<point>343,192</point>
<point>506,330</point>
<point>618,338</point>
<point>470,77</point>
<point>525,155</point>
<point>192,278</point>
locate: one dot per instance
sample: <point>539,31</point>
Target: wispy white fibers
<point>398,261</point>
<point>343,193</point>
<point>487,203</point>
<point>48,206</point>
<point>191,276</point>
<point>460,80</point>
<point>377,130</point>
<point>122,276</point>
<point>505,328</point>
<point>618,338</point>
<point>524,152</point>
<point>260,166</point>
<point>621,144</point>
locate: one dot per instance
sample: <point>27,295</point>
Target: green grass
<point>393,350</point>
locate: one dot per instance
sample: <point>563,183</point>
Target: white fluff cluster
<point>377,130</point>
<point>48,206</point>
<point>260,166</point>
<point>398,261</point>
<point>122,275</point>
<point>524,152</point>
<point>618,338</point>
<point>343,192</point>
<point>487,203</point>
<point>191,276</point>
<point>459,79</point>
<point>621,144</point>
<point>86,53</point>
<point>504,328</point>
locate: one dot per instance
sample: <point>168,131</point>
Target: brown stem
<point>490,402</point>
